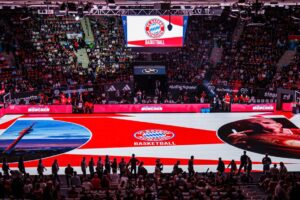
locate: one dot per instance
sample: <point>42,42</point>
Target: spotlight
<point>77,18</point>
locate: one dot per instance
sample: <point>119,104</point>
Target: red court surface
<point>170,137</point>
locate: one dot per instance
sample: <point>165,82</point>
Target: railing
<point>261,95</point>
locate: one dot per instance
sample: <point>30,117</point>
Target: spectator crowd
<point>130,179</point>
<point>39,59</point>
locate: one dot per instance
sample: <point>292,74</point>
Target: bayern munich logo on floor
<point>155,28</point>
<point>154,135</point>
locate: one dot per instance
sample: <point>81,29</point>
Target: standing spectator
<point>91,167</point>
<point>5,167</point>
<point>122,167</point>
<point>243,161</point>
<point>114,164</point>
<point>69,173</point>
<point>99,167</point>
<point>133,163</point>
<point>159,166</point>
<point>41,168</point>
<point>233,167</point>
<point>21,165</point>
<point>227,101</point>
<point>235,99</point>
<point>142,171</point>
<point>266,161</point>
<point>249,168</point>
<point>191,166</point>
<point>176,168</point>
<point>221,166</point>
<point>55,169</point>
<point>83,166</point>
<point>107,164</point>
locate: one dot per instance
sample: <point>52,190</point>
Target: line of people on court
<point>134,166</point>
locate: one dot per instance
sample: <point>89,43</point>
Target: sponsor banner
<point>227,89</point>
<point>262,93</point>
<point>45,12</point>
<point>287,107</point>
<point>150,70</point>
<point>270,107</point>
<point>186,87</point>
<point>72,91</point>
<point>17,97</point>
<point>26,109</point>
<point>126,87</point>
<point>270,94</point>
<point>74,35</point>
<point>151,108</point>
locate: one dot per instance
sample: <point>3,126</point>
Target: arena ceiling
<point>143,2</point>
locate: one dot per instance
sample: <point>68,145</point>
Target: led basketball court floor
<point>170,137</point>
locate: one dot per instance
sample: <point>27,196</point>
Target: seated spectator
<point>274,170</point>
<point>28,188</point>
<point>282,169</point>
<point>72,193</point>
<point>139,190</point>
<point>75,180</point>
<point>96,182</point>
<point>114,179</point>
<point>87,185</point>
<point>280,193</point>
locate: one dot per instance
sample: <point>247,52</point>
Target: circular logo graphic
<point>154,135</point>
<point>244,90</point>
<point>275,136</point>
<point>34,139</point>
<point>155,28</point>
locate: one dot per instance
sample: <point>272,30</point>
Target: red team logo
<point>154,135</point>
<point>155,28</point>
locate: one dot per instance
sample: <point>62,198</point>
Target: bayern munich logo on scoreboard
<point>154,135</point>
<point>155,28</point>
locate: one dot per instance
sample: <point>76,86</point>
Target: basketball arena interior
<point>147,100</point>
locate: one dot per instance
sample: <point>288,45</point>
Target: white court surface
<point>170,137</point>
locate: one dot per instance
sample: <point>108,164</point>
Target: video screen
<point>155,31</point>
